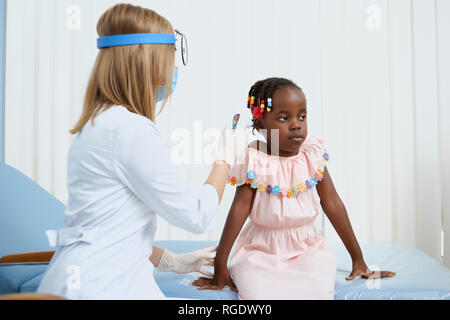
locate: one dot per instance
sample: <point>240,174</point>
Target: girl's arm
<point>239,212</point>
<point>336,212</point>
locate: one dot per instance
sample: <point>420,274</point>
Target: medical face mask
<point>161,91</point>
<point>149,38</point>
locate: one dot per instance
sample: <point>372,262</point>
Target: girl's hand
<point>221,279</point>
<point>360,269</point>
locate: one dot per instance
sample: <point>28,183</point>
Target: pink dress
<point>279,254</point>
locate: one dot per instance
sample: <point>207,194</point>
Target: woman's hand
<point>360,269</point>
<point>221,279</point>
<point>188,262</point>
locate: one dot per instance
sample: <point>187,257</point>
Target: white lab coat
<point>120,177</point>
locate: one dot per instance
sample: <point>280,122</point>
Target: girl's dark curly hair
<point>265,89</point>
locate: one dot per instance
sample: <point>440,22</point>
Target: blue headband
<point>132,39</point>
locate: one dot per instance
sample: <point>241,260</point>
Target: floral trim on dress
<point>283,191</point>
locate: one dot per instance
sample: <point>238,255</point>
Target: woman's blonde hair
<point>129,75</point>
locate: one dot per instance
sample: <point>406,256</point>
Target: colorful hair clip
<point>258,113</point>
<point>269,105</point>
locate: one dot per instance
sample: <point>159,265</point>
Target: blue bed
<point>419,277</point>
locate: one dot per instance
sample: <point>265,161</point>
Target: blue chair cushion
<point>27,210</point>
<point>32,284</point>
<point>418,275</point>
<point>14,275</point>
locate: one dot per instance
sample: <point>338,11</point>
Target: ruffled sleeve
<point>285,176</point>
<point>244,171</point>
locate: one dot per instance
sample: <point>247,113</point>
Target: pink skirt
<point>283,264</point>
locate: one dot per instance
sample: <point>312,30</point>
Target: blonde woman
<point>120,177</point>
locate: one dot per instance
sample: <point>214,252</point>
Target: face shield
<point>178,39</point>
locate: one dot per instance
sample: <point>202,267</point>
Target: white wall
<point>376,74</point>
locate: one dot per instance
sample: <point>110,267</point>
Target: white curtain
<point>376,74</point>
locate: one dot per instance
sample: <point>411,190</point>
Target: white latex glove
<point>188,262</point>
<point>232,145</point>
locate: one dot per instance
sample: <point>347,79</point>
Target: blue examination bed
<point>418,275</point>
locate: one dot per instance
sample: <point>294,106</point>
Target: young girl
<point>281,186</point>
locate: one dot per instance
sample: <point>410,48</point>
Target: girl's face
<point>288,115</point>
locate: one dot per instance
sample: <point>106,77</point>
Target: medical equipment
<point>236,121</point>
<point>150,38</point>
<point>187,262</point>
<point>146,38</point>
